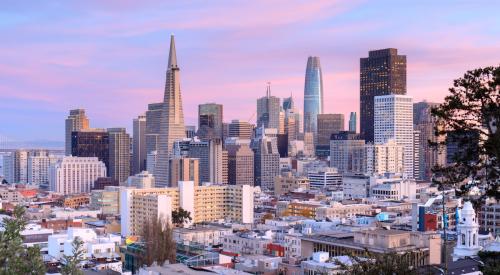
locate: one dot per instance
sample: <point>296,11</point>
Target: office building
<point>206,203</point>
<point>15,166</point>
<point>76,121</point>
<point>425,123</point>
<point>327,124</point>
<point>92,142</point>
<point>101,183</point>
<point>288,182</point>
<point>153,116</point>
<point>394,120</point>
<point>240,164</point>
<point>266,162</point>
<point>268,111</point>
<point>210,155</point>
<point>384,158</point>
<point>184,169</point>
<point>151,161</point>
<point>417,153</point>
<point>352,122</point>
<point>190,131</point>
<point>240,129</point>
<point>347,152</point>
<point>326,179</point>
<point>139,153</point>
<point>313,94</point>
<point>106,200</point>
<point>172,118</point>
<point>210,117</point>
<point>142,180</point>
<point>38,168</point>
<point>308,144</point>
<point>383,72</point>
<point>292,122</point>
<point>393,189</point>
<point>119,154</point>
<point>74,175</point>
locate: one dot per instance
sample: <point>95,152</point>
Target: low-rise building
<point>247,243</point>
<point>75,201</point>
<point>288,182</point>
<point>208,235</point>
<point>341,211</point>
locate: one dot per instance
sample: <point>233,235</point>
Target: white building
<point>38,168</point>
<point>393,189</point>
<point>384,158</point>
<point>142,180</point>
<point>467,233</point>
<point>73,175</point>
<point>393,119</point>
<point>326,178</point>
<point>94,247</point>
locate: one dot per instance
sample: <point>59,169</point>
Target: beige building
<point>184,169</point>
<point>426,247</point>
<point>240,164</point>
<point>208,235</point>
<point>384,158</point>
<point>240,129</point>
<point>288,182</point>
<point>119,154</point>
<point>205,203</point>
<point>340,211</point>
<point>76,121</point>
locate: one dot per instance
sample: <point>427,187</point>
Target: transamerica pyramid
<point>172,118</point>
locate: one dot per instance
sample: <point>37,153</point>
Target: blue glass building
<point>313,94</point>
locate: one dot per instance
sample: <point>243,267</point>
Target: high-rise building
<point>139,145</point>
<point>266,162</point>
<point>210,121</point>
<point>92,142</point>
<point>119,154</point>
<point>206,203</point>
<point>313,94</point>
<point>240,129</point>
<point>384,158</point>
<point>74,175</point>
<point>308,144</point>
<point>383,72</point>
<point>352,122</point>
<point>190,131</point>
<point>327,179</point>
<point>268,111</point>
<point>15,166</point>
<point>153,116</point>
<point>38,168</point>
<point>210,155</point>
<point>172,118</point>
<point>327,124</point>
<point>417,153</point>
<point>142,180</point>
<point>347,152</point>
<point>394,120</point>
<point>292,121</point>
<point>151,159</point>
<point>425,123</point>
<point>76,121</point>
<point>184,169</point>
<point>240,164</point>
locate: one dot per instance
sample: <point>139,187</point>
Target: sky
<point>110,57</point>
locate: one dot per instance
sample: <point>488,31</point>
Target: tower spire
<point>172,56</point>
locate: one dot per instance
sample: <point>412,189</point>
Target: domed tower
<point>467,233</point>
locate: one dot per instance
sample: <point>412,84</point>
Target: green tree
<point>72,262</point>
<point>469,117</point>
<point>159,243</point>
<point>14,257</point>
<point>382,264</point>
<point>181,216</point>
<point>491,262</point>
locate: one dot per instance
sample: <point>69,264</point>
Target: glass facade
<point>313,94</point>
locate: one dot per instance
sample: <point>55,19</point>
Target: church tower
<point>467,233</point>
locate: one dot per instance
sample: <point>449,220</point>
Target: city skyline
<point>49,68</point>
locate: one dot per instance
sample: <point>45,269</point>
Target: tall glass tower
<point>313,94</point>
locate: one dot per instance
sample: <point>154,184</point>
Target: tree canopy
<point>159,243</point>
<point>181,216</point>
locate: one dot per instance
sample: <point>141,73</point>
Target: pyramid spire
<point>172,56</point>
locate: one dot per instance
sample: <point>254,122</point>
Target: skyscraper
<point>292,122</point>
<point>240,164</point>
<point>153,115</point>
<point>210,155</point>
<point>383,72</point>
<point>268,110</point>
<point>425,123</point>
<point>394,120</point>
<point>352,122</point>
<point>313,94</point>
<point>210,121</point>
<point>240,129</point>
<point>119,154</point>
<point>266,162</point>
<point>328,124</point>
<point>347,152</point>
<point>172,118</point>
<point>76,121</point>
<point>139,145</point>
<point>92,142</point>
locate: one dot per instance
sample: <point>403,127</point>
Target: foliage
<point>14,257</point>
<point>181,216</point>
<point>159,243</point>
<point>381,263</point>
<point>4,181</point>
<point>266,216</point>
<point>491,261</point>
<point>72,262</point>
<point>469,118</point>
